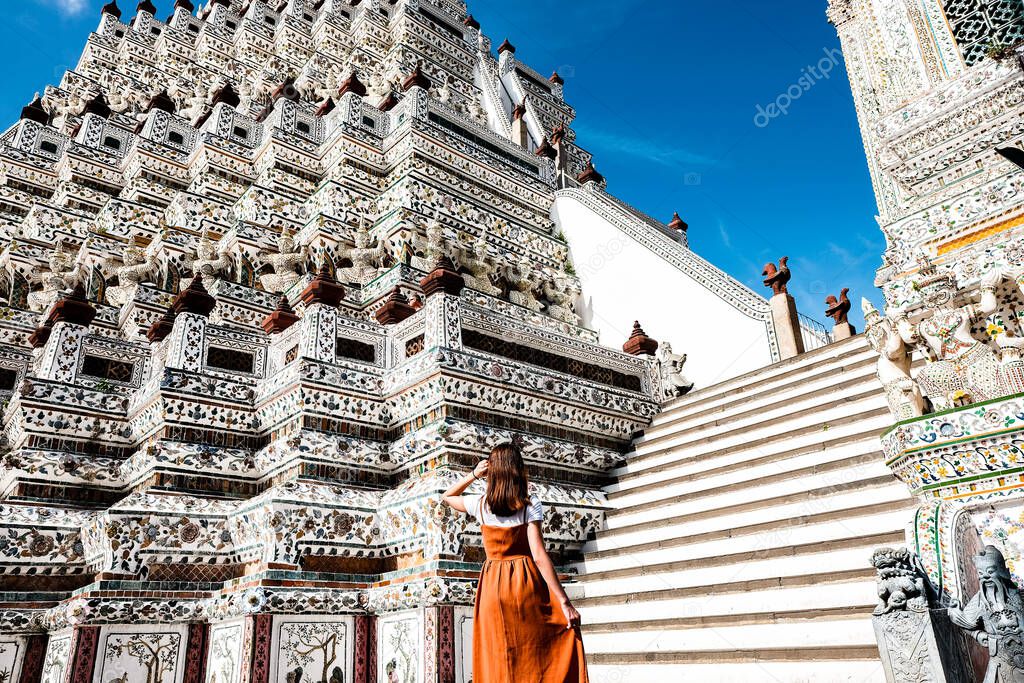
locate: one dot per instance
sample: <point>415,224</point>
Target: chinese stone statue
<point>995,618</point>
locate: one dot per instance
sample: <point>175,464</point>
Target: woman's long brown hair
<point>507,483</point>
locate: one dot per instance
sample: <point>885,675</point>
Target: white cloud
<point>641,147</point>
<point>69,7</point>
<point>726,240</point>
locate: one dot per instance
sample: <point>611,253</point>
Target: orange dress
<point>518,635</point>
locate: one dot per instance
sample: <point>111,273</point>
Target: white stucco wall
<point>630,271</point>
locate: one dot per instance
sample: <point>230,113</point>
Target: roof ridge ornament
<point>639,344</point>
<point>112,9</point>
<point>34,111</point>
<point>678,224</point>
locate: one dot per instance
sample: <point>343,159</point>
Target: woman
<point>519,636</point>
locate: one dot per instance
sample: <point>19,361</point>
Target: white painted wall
<point>624,278</point>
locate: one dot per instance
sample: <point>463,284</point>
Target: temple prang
<point>275,275</point>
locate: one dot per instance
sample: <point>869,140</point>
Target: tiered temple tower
<point>273,275</point>
<point>937,87</point>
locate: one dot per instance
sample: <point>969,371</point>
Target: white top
<point>476,506</point>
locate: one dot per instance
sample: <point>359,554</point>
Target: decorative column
<point>520,131</point>
<point>183,10</point>
<point>784,314</point>
<point>444,625</point>
<point>60,337</point>
<point>144,14</point>
<point>366,649</point>
<point>35,655</point>
<point>442,287</point>
<point>110,18</point>
<point>261,626</point>
<point>196,653</point>
<point>320,319</point>
<point>187,339</point>
<point>82,660</point>
<point>559,143</point>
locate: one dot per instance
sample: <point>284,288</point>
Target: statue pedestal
<point>787,326</point>
<point>922,646</point>
<point>843,331</point>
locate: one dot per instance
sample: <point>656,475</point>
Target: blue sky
<point>671,99</point>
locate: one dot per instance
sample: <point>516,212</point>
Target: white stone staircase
<point>742,526</point>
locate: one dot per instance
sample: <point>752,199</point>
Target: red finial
<point>590,175</point>
<point>417,78</point>
<point>395,309</point>
<point>639,344</point>
<point>443,278</point>
<point>324,289</point>
<point>352,84</point>
<point>281,318</point>
<point>678,223</point>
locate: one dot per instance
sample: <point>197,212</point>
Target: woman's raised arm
<point>453,496</point>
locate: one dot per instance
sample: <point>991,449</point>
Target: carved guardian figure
<point>287,264</point>
<point>674,383</point>
<point>63,274</point>
<point>136,265</point>
<point>893,366</point>
<point>995,618</point>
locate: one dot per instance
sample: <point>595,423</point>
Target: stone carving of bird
<point>777,278</point>
<point>838,308</point>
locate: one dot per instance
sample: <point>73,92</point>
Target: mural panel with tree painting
<point>152,655</point>
<point>318,649</point>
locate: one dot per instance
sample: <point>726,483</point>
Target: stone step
<point>789,490</point>
<point>775,562</point>
<point>740,516</point>
<point>778,415</point>
<point>844,517</point>
<point>796,430</point>
<point>725,587</point>
<point>818,362</point>
<point>711,462</point>
<point>738,541</point>
<point>858,664</point>
<point>746,475</point>
<point>850,629</point>
<point>722,620</point>
<point>859,371</point>
<point>801,535</point>
<point>754,599</point>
